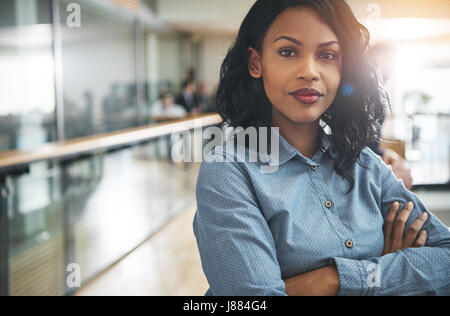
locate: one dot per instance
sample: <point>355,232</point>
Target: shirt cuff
<point>352,280</point>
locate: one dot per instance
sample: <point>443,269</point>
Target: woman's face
<point>299,52</point>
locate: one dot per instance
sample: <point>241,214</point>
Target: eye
<point>329,55</point>
<point>287,52</point>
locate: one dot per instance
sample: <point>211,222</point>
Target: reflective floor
<point>166,264</point>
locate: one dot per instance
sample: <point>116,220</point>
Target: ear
<point>254,63</point>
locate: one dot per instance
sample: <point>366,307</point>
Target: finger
<point>399,226</point>
<point>413,230</point>
<point>421,240</point>
<point>388,224</point>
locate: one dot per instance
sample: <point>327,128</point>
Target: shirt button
<point>349,244</point>
<point>328,204</point>
<point>314,168</point>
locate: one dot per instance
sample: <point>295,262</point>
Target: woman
<point>332,219</point>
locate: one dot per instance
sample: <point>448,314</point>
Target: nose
<point>307,70</point>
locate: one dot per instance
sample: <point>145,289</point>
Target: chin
<point>302,117</point>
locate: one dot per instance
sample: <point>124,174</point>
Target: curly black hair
<point>361,99</point>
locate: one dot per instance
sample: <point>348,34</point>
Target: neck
<point>302,136</point>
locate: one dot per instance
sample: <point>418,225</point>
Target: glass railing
<point>82,213</point>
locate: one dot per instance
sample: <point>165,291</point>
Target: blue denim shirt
<point>255,229</point>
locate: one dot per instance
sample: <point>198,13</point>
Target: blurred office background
<point>87,105</point>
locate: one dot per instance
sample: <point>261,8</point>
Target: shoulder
<point>179,108</point>
<point>370,157</point>
<point>223,183</point>
<point>374,163</point>
<point>220,159</point>
<point>221,163</point>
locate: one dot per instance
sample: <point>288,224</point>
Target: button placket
<point>325,195</point>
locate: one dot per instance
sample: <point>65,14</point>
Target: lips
<point>308,96</point>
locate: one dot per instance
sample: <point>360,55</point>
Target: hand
<point>319,282</point>
<point>394,226</point>
<point>391,158</point>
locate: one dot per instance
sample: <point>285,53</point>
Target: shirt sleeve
<point>411,271</point>
<point>236,245</point>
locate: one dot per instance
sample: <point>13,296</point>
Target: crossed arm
<point>325,281</point>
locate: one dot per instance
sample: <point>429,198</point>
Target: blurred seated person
<point>397,163</point>
<point>385,57</point>
<point>202,97</point>
<point>187,97</point>
<point>206,101</point>
<point>166,109</point>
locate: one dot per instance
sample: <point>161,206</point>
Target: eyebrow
<point>299,43</point>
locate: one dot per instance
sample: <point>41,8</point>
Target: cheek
<point>275,81</point>
<point>333,80</point>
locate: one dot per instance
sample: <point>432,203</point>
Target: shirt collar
<point>287,151</point>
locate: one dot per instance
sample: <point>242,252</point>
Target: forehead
<point>302,23</point>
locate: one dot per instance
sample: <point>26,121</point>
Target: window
<point>27,87</point>
<point>99,72</point>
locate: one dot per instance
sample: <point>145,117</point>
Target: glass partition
<point>36,226</point>
<point>99,71</point>
<point>27,86</point>
<point>423,95</point>
<point>90,212</point>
